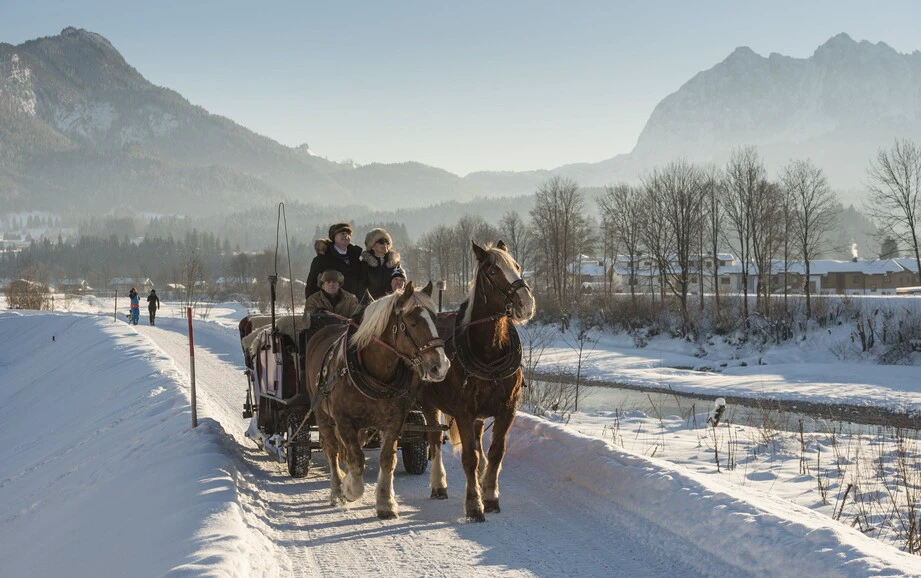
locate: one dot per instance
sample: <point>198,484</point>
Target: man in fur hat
<point>339,254</point>
<point>331,297</point>
<point>381,272</point>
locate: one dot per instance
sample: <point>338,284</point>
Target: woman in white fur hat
<point>381,272</point>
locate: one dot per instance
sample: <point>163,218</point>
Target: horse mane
<point>377,314</point>
<point>504,260</point>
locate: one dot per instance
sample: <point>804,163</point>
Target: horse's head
<point>503,288</point>
<point>405,321</point>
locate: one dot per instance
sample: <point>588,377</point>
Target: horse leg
<point>438,481</point>
<point>481,455</point>
<point>331,449</point>
<point>473,504</point>
<point>386,502</point>
<point>500,426</point>
<point>353,486</point>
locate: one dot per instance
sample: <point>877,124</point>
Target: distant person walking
<point>153,303</point>
<point>135,306</point>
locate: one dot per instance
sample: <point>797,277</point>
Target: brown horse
<point>485,378</point>
<point>370,379</point>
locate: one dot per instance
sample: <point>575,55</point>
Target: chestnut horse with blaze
<point>370,379</point>
<point>485,378</point>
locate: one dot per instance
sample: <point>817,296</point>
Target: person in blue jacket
<point>135,306</point>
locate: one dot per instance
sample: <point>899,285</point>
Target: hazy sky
<point>462,85</point>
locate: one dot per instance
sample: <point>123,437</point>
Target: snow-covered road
<point>100,474</point>
<point>548,526</point>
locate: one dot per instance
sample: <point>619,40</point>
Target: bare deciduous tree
<point>675,197</point>
<point>193,277</point>
<point>812,211</point>
<point>444,259</point>
<point>712,181</point>
<point>470,227</point>
<point>895,194</point>
<point>744,174</point>
<point>620,206</point>
<point>766,210</point>
<point>559,223</point>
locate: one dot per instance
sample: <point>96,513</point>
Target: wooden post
<point>192,367</point>
<point>116,305</point>
<point>442,285</point>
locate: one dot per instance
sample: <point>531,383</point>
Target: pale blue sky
<point>463,85</point>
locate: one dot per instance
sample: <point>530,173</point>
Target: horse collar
<point>370,386</point>
<point>504,367</point>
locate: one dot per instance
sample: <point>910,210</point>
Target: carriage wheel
<point>298,446</point>
<point>415,453</point>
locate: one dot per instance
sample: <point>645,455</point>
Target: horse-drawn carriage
<point>278,401</point>
<point>343,378</point>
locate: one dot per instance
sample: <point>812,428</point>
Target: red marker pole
<point>192,366</point>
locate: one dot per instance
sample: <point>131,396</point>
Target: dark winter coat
<point>153,302</point>
<point>377,272</point>
<point>329,258</point>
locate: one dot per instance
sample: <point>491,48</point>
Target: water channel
<point>780,414</point>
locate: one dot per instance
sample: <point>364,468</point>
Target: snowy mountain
<point>82,129</point>
<point>836,107</point>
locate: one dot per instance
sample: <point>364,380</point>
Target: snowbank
<point>100,470</point>
<point>720,526</point>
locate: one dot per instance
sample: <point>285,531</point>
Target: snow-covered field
<point>809,370</point>
<point>101,474</point>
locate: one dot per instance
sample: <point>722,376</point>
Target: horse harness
<point>458,347</point>
<point>369,385</point>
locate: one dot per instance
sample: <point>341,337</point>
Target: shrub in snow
<point>719,406</point>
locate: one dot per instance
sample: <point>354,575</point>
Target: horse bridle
<point>415,360</point>
<point>491,270</point>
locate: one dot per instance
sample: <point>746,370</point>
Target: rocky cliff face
<point>837,107</point>
<point>845,87</point>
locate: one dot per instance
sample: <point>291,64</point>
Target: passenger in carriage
<point>381,272</point>
<point>339,254</point>
<point>331,297</point>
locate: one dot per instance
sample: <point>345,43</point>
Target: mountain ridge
<point>81,129</point>
<point>837,107</point>
<point>73,103</point>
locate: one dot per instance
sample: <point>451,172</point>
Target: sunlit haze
<point>463,86</point>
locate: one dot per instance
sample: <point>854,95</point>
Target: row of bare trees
<point>895,194</point>
<point>679,217</point>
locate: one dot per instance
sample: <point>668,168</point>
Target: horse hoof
<point>388,515</point>
<point>491,506</point>
<point>440,493</point>
<point>476,517</point>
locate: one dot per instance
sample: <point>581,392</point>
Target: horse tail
<point>454,434</point>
